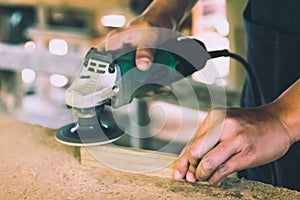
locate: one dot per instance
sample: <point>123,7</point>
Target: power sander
<point>110,79</point>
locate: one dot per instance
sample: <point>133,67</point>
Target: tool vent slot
<point>102,66</point>
<point>91,69</point>
<point>100,72</point>
<point>93,64</point>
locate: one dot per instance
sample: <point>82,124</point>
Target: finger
<point>110,41</point>
<point>190,177</point>
<point>211,127</point>
<point>213,160</point>
<point>199,147</point>
<point>100,43</point>
<point>144,58</point>
<point>193,160</point>
<point>191,173</point>
<point>204,140</point>
<point>190,158</point>
<point>235,163</point>
<point>182,165</point>
<point>117,38</point>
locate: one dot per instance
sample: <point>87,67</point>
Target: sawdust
<point>34,166</point>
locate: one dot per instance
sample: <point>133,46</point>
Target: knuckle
<point>181,164</point>
<point>208,164</point>
<point>227,168</point>
<point>244,143</point>
<point>239,141</point>
<point>223,170</point>
<point>205,169</point>
<point>231,122</point>
<point>193,151</point>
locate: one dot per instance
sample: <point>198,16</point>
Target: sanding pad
<point>70,136</point>
<point>89,132</point>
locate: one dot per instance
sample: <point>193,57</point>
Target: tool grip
<point>173,60</point>
<point>183,54</point>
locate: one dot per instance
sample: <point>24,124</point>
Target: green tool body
<point>110,79</point>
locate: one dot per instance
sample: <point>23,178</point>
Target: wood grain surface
<point>34,166</point>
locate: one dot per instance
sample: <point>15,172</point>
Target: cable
<point>254,83</point>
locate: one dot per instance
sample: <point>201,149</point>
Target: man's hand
<point>230,140</point>
<point>150,29</point>
<point>140,34</point>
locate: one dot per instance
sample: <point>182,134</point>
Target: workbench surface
<point>34,166</point>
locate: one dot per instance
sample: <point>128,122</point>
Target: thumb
<point>144,58</point>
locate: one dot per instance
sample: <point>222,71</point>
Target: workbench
<point>34,166</point>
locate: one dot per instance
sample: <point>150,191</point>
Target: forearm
<point>287,108</point>
<point>172,12</point>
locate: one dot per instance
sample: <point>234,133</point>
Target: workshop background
<point>42,44</point>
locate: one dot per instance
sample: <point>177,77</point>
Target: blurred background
<point>42,44</point>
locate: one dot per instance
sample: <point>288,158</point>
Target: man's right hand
<point>143,35</point>
<point>150,29</point>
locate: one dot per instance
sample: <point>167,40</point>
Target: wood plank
<point>129,160</point>
<point>35,166</point>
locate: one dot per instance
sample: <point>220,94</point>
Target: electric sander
<point>109,80</point>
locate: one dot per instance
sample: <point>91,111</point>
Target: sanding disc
<point>90,132</point>
<point>70,136</point>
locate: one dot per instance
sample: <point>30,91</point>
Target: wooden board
<point>35,166</point>
<point>129,160</point>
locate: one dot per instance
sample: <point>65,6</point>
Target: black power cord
<point>254,83</point>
